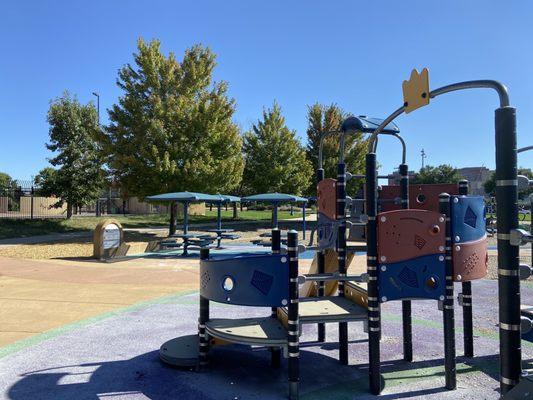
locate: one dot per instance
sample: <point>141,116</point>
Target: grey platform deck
<point>262,331</point>
<point>329,309</point>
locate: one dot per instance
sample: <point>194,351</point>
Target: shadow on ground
<point>234,372</point>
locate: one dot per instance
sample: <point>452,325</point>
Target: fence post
<point>31,203</point>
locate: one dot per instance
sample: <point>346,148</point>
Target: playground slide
<point>309,288</point>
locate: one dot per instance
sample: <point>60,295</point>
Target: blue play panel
<point>418,278</point>
<point>246,279</point>
<point>468,218</point>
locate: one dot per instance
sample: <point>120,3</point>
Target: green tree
<point>5,181</point>
<point>322,119</point>
<point>275,159</point>
<point>172,128</point>
<point>441,174</point>
<point>78,175</point>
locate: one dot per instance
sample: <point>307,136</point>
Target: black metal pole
<point>341,255</point>
<point>508,262</point>
<point>293,322</point>
<point>321,267</point>
<point>219,223</point>
<point>275,355</point>
<point>185,227</point>
<point>203,338</point>
<point>407,323</point>
<point>374,310</point>
<point>468,325</point>
<point>447,309</point>
<point>31,203</point>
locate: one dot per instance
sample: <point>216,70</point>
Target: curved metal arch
<point>527,148</point>
<point>396,135</point>
<point>477,84</point>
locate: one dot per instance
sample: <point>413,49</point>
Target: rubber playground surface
<point>93,331</point>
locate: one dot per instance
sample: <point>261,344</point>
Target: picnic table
<point>223,233</point>
<point>200,239</point>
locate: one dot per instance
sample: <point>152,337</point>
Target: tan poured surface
<point>39,295</point>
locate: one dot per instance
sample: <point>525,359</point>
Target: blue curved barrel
<point>260,280</point>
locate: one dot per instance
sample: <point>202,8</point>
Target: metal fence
<point>23,199</point>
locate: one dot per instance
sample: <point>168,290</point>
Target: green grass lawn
<point>13,228</point>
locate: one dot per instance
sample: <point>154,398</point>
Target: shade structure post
<point>304,227</point>
<point>508,261</point>
<point>185,217</point>
<point>293,319</point>
<point>203,337</point>
<point>468,325</point>
<point>219,223</point>
<point>448,309</point>
<point>274,214</point>
<point>407,324</point>
<point>374,309</point>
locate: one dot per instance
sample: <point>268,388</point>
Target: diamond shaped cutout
<point>262,282</point>
<point>420,242</point>
<point>408,277</point>
<point>470,217</point>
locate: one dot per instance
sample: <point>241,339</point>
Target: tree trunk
<point>173,218</point>
<point>69,211</point>
<point>235,211</point>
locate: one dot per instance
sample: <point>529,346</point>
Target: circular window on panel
<point>228,284</point>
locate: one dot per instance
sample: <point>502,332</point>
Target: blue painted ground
<point>117,358</point>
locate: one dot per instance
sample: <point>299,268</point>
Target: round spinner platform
<point>180,352</point>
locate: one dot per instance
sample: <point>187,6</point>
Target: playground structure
<point>419,241</point>
<point>518,238</point>
<point>416,95</point>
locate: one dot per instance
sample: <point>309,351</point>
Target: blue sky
<point>353,53</point>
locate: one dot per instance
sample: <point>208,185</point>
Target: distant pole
<point>97,106</point>
<point>423,155</point>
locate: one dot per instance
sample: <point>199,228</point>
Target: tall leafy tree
<point>78,177</point>
<point>326,118</point>
<point>172,129</point>
<point>440,174</point>
<point>5,181</point>
<point>275,159</point>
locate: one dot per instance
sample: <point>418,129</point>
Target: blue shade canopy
<point>275,198</point>
<point>365,124</point>
<point>183,197</point>
<point>226,198</point>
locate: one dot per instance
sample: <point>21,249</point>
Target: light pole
<point>97,105</point>
<point>423,154</point>
<point>98,211</point>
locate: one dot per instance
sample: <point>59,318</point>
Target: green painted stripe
<point>348,390</point>
<point>38,338</point>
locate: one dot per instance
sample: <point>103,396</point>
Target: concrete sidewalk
<point>52,237</point>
